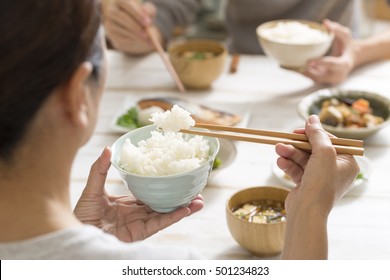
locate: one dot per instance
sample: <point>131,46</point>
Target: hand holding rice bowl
<point>165,170</point>
<point>293,42</point>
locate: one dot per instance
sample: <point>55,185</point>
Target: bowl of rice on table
<point>162,167</point>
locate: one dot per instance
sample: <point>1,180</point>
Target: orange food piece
<point>362,106</point>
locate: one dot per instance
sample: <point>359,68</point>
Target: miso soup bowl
<point>198,73</point>
<point>163,193</point>
<point>259,239</point>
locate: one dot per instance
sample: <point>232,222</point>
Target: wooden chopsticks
<point>234,63</point>
<point>300,141</point>
<point>165,59</point>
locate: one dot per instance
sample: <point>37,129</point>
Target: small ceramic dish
<point>380,104</point>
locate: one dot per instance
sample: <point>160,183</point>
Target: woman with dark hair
<point>52,72</point>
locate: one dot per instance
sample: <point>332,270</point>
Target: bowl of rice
<point>162,167</point>
<point>292,43</point>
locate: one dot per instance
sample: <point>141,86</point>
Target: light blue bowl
<point>163,193</point>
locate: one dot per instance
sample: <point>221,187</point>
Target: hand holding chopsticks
<point>137,33</point>
<point>164,57</point>
<point>300,141</point>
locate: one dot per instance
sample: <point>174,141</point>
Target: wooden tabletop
<point>266,96</point>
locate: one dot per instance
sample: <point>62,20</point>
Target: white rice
<point>294,32</point>
<point>168,152</point>
<point>144,115</point>
<point>173,120</point>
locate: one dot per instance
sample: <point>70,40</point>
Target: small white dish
<point>226,154</point>
<point>242,110</point>
<point>363,162</point>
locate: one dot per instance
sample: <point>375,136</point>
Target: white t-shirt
<point>87,242</point>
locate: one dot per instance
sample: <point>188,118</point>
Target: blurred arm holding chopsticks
<point>126,21</point>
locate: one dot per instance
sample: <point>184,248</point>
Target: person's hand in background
<point>125,23</point>
<point>335,68</point>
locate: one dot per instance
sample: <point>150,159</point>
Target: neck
<point>34,195</point>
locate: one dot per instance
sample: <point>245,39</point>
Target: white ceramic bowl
<point>163,193</point>
<point>311,104</point>
<point>293,56</point>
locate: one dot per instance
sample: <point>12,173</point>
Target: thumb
<point>342,36</point>
<point>98,174</point>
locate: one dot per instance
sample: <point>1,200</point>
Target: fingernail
<point>105,150</point>
<point>313,119</point>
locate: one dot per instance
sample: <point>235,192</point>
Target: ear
<point>76,95</point>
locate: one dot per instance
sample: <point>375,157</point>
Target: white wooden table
<point>359,225</point>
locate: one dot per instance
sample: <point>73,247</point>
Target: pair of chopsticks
<point>164,57</point>
<point>234,63</point>
<point>300,141</point>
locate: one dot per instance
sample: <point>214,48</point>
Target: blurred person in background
<point>125,22</point>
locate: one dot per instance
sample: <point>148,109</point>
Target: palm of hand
<point>326,186</point>
<point>125,217</point>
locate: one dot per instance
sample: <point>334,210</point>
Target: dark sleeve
<point>172,13</point>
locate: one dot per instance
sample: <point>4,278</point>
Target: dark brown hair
<point>42,42</point>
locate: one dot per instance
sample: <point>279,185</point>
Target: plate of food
<point>363,176</point>
<point>347,113</point>
<point>136,113</point>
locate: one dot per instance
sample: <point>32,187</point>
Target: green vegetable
<point>195,55</point>
<point>217,163</point>
<point>129,119</point>
<point>198,56</point>
<point>360,176</point>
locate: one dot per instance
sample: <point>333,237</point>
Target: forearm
<point>372,49</point>
<point>306,236</point>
